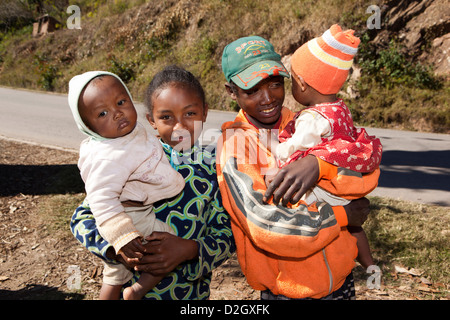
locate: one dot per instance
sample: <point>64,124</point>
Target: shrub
<point>125,70</point>
<point>47,73</point>
<point>392,67</point>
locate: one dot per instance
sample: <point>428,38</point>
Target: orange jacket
<point>298,252</point>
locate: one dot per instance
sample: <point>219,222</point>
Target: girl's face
<point>178,116</point>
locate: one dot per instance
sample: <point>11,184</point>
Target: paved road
<point>415,166</point>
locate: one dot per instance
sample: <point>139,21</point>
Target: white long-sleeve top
<point>133,167</point>
<point>312,127</point>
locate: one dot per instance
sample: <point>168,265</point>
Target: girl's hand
<point>164,252</point>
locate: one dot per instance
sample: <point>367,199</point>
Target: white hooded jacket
<point>130,168</point>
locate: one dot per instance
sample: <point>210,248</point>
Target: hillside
<point>400,77</point>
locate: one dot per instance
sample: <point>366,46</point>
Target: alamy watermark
<point>74,280</point>
<point>374,21</point>
<point>374,280</point>
<point>74,21</point>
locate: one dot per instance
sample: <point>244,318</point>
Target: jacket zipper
<point>330,276</point>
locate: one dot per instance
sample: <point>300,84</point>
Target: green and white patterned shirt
<point>196,213</point>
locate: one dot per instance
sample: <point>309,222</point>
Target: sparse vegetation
<point>46,71</point>
<point>391,67</point>
<point>136,38</point>
<point>125,70</point>
<point>412,235</point>
<point>395,89</point>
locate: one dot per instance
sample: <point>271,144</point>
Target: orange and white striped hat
<point>324,62</point>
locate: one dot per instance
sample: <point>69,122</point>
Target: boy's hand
<point>293,181</point>
<point>357,212</point>
<point>133,251</point>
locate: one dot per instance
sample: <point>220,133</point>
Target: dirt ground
<point>35,258</point>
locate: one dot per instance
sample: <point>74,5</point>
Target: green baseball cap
<point>249,60</point>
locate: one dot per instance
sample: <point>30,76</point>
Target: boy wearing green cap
<point>293,251</point>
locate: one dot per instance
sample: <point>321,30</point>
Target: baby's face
<point>106,108</point>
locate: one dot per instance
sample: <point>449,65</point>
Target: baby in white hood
<point>125,171</point>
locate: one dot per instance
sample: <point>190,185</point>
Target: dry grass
<point>413,235</point>
<point>41,189</point>
<point>404,236</point>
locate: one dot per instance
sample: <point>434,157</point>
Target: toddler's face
<point>106,108</point>
<point>263,102</point>
<point>178,116</point>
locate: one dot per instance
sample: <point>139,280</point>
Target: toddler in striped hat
<point>319,68</point>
